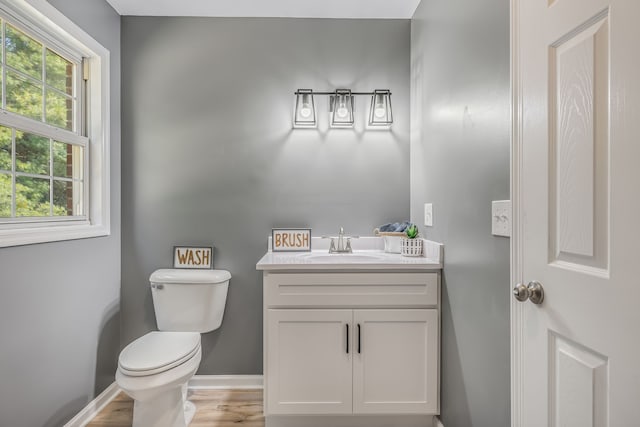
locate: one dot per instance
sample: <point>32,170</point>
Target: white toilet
<point>155,368</point>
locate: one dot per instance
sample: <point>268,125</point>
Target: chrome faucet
<point>344,243</point>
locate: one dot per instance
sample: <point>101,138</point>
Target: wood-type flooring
<point>214,408</point>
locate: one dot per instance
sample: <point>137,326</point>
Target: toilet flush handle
<point>158,286</point>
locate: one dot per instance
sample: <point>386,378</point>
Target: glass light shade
<point>380,113</point>
<point>341,109</point>
<point>305,112</point>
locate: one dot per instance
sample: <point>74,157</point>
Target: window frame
<point>39,18</point>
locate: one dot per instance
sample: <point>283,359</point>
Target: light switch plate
<point>501,218</point>
<point>428,214</point>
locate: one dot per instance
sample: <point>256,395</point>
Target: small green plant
<point>412,231</point>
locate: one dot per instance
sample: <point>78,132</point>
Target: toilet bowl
<point>154,369</point>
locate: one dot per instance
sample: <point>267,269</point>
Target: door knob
<point>520,292</point>
<point>533,292</point>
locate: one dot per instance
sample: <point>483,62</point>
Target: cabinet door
<point>395,365</point>
<point>308,362</point>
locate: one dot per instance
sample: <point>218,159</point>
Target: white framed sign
<point>291,240</point>
<point>193,257</point>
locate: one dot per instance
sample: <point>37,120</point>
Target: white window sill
<point>28,236</point>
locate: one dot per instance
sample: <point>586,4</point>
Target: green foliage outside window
<point>35,73</point>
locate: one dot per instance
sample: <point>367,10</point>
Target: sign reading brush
<point>291,240</point>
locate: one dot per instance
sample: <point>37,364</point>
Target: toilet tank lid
<point>172,275</point>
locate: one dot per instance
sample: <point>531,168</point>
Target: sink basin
<point>342,258</point>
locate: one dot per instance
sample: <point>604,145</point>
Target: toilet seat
<point>158,352</point>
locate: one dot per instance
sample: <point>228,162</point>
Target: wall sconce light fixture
<point>305,114</point>
<point>380,113</point>
<point>341,108</point>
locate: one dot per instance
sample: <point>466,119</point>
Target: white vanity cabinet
<point>351,343</point>
<point>308,363</point>
<point>396,369</point>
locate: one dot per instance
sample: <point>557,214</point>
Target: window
<point>54,122</point>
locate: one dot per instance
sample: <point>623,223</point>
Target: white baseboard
<point>96,405</point>
<point>231,382</point>
<point>437,422</point>
<point>198,382</point>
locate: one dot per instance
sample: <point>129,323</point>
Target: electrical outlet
<point>428,214</point>
<point>501,218</point>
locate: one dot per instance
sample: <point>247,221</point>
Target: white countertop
<point>368,254</point>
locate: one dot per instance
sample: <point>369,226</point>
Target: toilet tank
<point>189,300</point>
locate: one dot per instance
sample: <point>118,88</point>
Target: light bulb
<point>305,112</point>
<point>342,110</point>
<point>305,109</point>
<point>380,111</point>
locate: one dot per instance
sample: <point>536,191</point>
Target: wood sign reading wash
<point>193,257</point>
<point>291,239</point>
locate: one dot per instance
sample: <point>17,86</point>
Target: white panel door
<point>395,362</point>
<point>309,362</point>
<point>576,192</point>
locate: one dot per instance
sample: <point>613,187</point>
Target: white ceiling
<point>362,9</point>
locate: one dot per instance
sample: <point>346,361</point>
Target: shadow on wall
<point>106,364</point>
<point>65,413</point>
<point>453,396</point>
<point>209,341</point>
<point>106,358</point>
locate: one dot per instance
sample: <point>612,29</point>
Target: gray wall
<point>59,323</point>
<point>460,163</point>
<point>210,158</point>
